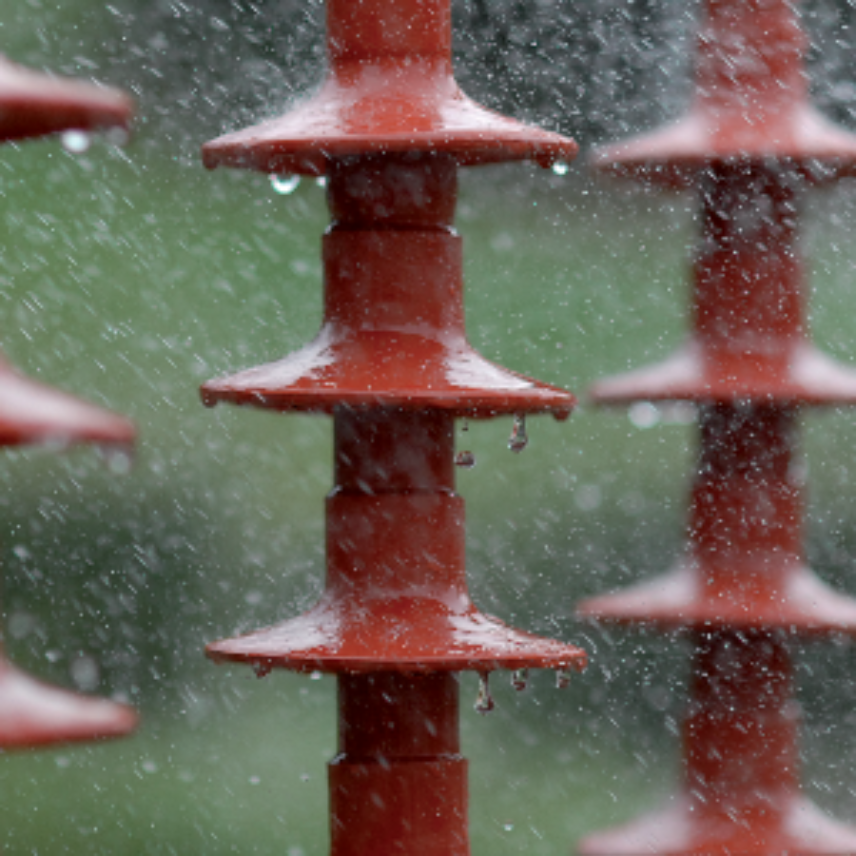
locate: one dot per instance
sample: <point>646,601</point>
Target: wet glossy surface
<point>396,595</point>
<point>31,412</point>
<point>393,336</point>
<point>389,90</point>
<point>31,713</point>
<point>750,146</point>
<point>414,635</point>
<point>392,365</point>
<point>34,104</point>
<point>750,105</point>
<point>749,338</point>
<point>393,332</point>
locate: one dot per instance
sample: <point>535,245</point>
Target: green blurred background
<point>130,276</point>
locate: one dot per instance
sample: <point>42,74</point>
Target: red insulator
<point>749,146</point>
<point>32,713</point>
<point>34,105</point>
<point>389,90</point>
<point>750,106</point>
<point>391,364</point>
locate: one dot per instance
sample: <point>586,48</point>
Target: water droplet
<point>85,673</point>
<point>519,679</point>
<point>254,780</point>
<point>119,459</point>
<point>262,670</point>
<point>315,676</point>
<point>644,414</point>
<point>563,677</point>
<point>518,440</point>
<point>508,827</point>
<point>560,167</point>
<point>321,181</point>
<point>75,142</point>
<point>465,459</point>
<point>484,703</point>
<point>285,185</point>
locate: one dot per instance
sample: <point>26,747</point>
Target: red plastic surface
<point>749,333</point>
<point>749,146</point>
<point>35,105</point>
<point>33,714</point>
<point>393,332</point>
<point>744,566</point>
<point>31,412</point>
<point>395,607</point>
<point>396,596</point>
<point>389,90</point>
<point>750,105</point>
<point>399,768</point>
<point>393,367</point>
<point>740,773</point>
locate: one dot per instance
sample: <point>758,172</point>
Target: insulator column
<point>741,759</point>
<point>32,713</point>
<point>749,146</point>
<point>392,365</point>
<point>399,776</point>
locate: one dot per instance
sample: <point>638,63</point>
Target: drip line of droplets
<point>395,623</point>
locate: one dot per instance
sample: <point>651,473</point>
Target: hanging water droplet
<point>75,142</point>
<point>321,181</point>
<point>120,462</point>
<point>518,440</point>
<point>465,425</point>
<point>560,167</point>
<point>519,679</point>
<point>262,670</point>
<point>22,552</point>
<point>484,703</point>
<point>643,414</point>
<point>563,677</point>
<point>465,459</point>
<point>285,185</point>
